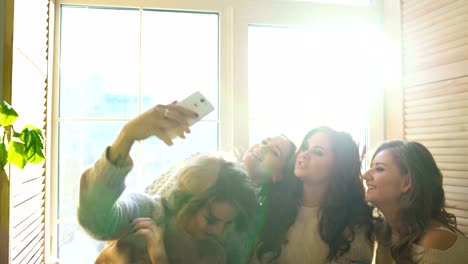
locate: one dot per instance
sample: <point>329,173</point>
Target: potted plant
<point>18,148</point>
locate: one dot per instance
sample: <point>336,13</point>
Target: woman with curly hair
<point>210,194</point>
<point>405,184</point>
<point>330,222</point>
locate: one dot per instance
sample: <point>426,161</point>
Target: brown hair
<point>424,201</point>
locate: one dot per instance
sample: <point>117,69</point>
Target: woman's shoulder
<point>438,236</point>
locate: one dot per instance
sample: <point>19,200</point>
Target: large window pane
<point>157,157</point>
<point>113,69</point>
<point>303,78</point>
<point>99,62</point>
<point>81,143</point>
<point>76,246</point>
<point>179,56</point>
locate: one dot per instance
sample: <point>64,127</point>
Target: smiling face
<point>211,220</point>
<point>315,159</point>
<point>264,161</point>
<point>385,180</point>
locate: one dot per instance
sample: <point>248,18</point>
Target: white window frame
<point>235,16</point>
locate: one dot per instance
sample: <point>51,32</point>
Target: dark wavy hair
<point>341,209</point>
<point>424,201</point>
<point>274,212</point>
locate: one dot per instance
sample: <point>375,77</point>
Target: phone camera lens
<point>202,100</point>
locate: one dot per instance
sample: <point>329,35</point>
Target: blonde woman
<point>211,193</point>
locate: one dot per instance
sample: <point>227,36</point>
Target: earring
<point>403,197</point>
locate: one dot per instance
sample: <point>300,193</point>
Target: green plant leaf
<point>8,115</point>
<point>33,146</point>
<point>3,155</point>
<point>16,154</point>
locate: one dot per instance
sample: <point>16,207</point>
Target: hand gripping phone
<point>197,103</point>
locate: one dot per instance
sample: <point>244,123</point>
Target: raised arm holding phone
<point>211,193</point>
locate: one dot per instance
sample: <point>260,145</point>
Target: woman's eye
<point>380,169</point>
<point>210,220</point>
<point>318,152</point>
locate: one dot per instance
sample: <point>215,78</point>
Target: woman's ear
<point>406,183</point>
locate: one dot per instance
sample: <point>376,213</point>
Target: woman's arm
<point>102,212</point>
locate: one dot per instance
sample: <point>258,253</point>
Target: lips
<point>370,187</point>
<point>300,164</point>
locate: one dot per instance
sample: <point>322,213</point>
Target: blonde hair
<point>207,177</point>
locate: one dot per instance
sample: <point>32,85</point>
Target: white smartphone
<point>197,103</point>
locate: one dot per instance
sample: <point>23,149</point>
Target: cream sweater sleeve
<point>103,211</point>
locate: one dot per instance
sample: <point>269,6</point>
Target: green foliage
<point>23,147</point>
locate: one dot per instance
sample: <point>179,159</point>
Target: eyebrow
<point>379,163</point>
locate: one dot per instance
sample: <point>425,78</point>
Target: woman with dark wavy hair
<point>326,217</point>
<point>405,184</point>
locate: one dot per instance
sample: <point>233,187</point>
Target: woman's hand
<point>157,121</point>
<point>154,238</point>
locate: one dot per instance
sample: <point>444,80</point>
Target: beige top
<point>305,245</point>
<point>456,254</point>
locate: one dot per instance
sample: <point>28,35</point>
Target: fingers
<point>147,228</point>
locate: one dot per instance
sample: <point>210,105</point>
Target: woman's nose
<point>367,175</point>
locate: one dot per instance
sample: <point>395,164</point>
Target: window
<point>301,78</point>
<point>113,69</point>
<point>247,58</point>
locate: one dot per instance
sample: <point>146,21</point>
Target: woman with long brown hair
<point>330,222</point>
<point>405,184</point>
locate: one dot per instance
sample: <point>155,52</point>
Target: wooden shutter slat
<point>443,58</point>
<point>413,21</point>
<point>451,38</point>
<point>455,174</point>
<point>461,205</point>
<point>19,199</point>
<point>16,230</point>
<point>455,189</point>
<point>25,187</point>
<point>435,129</point>
<point>436,93</point>
<point>444,143</point>
<point>458,212</point>
<point>26,246</point>
<point>20,212</point>
<point>438,114</point>
<point>456,182</point>
<point>436,121</point>
<point>457,135</point>
<point>414,53</point>
<point>32,253</point>
<point>37,258</point>
<point>26,234</point>
<point>453,166</point>
<point>463,228</point>
<point>448,28</point>
<point>449,151</point>
<point>441,85</point>
<point>452,159</point>
<point>417,8</point>
<point>435,20</point>
<point>436,74</point>
<point>456,197</point>
<point>437,107</point>
<point>456,97</point>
